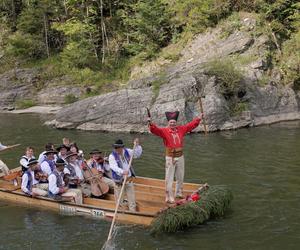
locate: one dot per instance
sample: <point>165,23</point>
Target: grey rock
<point>57,94</point>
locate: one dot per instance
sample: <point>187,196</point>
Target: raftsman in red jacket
<point>173,137</point>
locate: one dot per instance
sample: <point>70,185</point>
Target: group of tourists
<point>62,173</point>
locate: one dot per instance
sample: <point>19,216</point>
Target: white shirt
<point>114,165</point>
<point>42,157</point>
<point>53,188</point>
<point>25,182</point>
<point>46,168</point>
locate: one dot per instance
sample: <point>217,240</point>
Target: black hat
<point>32,162</point>
<point>118,144</point>
<point>62,146</point>
<point>50,152</point>
<point>60,162</point>
<point>69,154</point>
<point>172,115</point>
<point>95,151</point>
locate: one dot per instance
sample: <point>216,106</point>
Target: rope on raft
<point>213,203</point>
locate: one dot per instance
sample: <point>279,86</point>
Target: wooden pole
<point>203,119</point>
<point>120,197</point>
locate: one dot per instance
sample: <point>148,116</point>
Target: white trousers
<point>109,182</point>
<point>174,166</point>
<point>75,193</point>
<point>129,192</point>
<point>40,189</point>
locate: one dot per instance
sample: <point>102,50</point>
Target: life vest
<point>117,178</point>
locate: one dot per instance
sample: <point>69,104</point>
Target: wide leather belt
<point>174,152</point>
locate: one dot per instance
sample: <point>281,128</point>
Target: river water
<point>260,166</point>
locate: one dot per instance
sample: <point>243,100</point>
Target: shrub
<point>25,46</point>
<point>227,75</point>
<point>23,104</point>
<point>290,61</point>
<point>70,98</point>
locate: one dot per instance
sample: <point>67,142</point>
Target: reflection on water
<point>261,167</point>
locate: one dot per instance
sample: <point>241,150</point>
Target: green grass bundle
<point>213,203</point>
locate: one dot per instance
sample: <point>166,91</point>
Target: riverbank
<point>34,110</point>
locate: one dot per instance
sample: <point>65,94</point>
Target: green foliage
<point>227,75</point>
<point>290,61</point>
<point>23,104</point>
<point>97,42</point>
<point>25,46</point>
<point>197,15</point>
<point>70,98</point>
<point>213,203</point>
<point>231,24</point>
<point>283,16</point>
<point>149,26</point>
<point>238,107</point>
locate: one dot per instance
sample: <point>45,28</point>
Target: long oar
<point>9,147</point>
<point>203,118</point>
<point>120,197</point>
<point>194,86</point>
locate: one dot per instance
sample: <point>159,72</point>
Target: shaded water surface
<point>260,166</point>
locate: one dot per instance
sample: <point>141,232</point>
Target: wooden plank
<point>110,204</point>
<point>161,183</point>
<point>155,189</point>
<point>46,203</point>
<point>9,185</point>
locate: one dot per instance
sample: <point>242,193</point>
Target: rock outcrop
<point>166,86</point>
<point>26,84</point>
<point>124,110</point>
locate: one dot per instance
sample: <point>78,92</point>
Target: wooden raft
<point>149,192</point>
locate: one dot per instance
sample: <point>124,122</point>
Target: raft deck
<point>149,192</point>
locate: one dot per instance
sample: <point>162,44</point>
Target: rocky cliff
<point>167,87</point>
<point>124,110</point>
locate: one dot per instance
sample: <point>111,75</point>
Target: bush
<point>79,55</point>
<point>290,61</point>
<point>227,75</point>
<point>25,46</point>
<point>70,98</point>
<point>23,104</point>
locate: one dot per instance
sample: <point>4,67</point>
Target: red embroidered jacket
<point>173,138</point>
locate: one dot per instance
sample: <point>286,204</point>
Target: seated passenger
<point>30,185</point>
<point>48,147</point>
<point>57,186</point>
<point>66,142</point>
<point>98,162</point>
<point>80,158</point>
<point>26,158</point>
<point>74,175</point>
<point>62,151</point>
<point>48,164</point>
